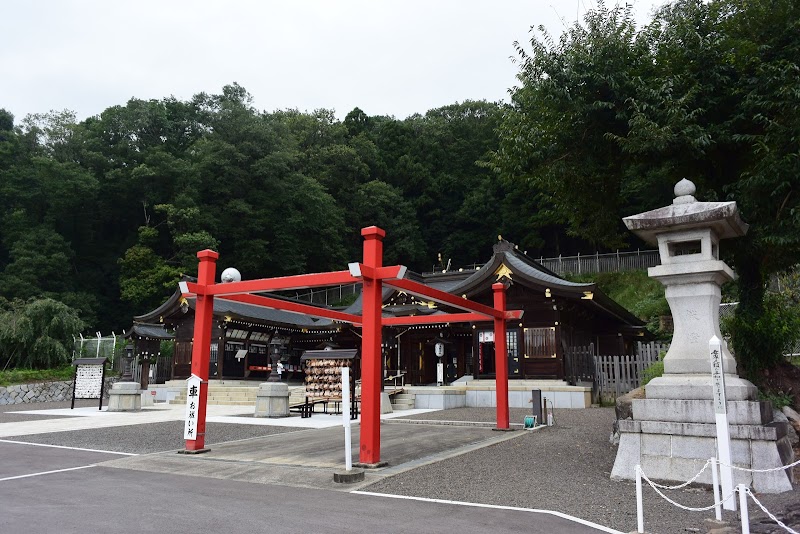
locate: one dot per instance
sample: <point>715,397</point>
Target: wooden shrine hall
<point>558,315</point>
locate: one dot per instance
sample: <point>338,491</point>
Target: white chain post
<point>715,483</point>
<point>745,517</point>
<point>348,450</point>
<point>639,504</point>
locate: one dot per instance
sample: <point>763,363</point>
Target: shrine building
<point>559,317</point>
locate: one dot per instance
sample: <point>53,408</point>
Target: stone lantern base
<point>671,439</point>
<point>272,400</point>
<point>125,397</point>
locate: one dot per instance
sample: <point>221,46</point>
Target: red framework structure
<point>373,275</point>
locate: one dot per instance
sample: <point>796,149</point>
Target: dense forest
<point>102,215</point>
<point>105,214</point>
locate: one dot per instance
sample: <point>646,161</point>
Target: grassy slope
<point>635,291</point>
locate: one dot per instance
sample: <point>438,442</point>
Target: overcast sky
<point>388,58</point>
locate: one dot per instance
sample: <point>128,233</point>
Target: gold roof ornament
<point>587,295</point>
<point>503,272</point>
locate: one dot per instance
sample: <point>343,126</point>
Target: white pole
<point>348,450</point>
<point>745,517</point>
<point>723,434</point>
<point>99,338</point>
<point>639,504</point>
<point>715,483</point>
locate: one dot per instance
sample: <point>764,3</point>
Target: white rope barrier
<point>679,486</point>
<point>679,505</point>
<point>775,519</point>
<point>780,468</point>
<point>742,489</point>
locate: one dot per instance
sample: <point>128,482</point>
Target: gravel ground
<point>564,468</point>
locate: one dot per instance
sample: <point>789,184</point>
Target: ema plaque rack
<point>323,370</point>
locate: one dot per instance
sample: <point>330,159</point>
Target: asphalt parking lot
<point>100,472</point>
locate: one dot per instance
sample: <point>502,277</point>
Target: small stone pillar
<point>125,397</point>
<point>272,400</point>
<point>672,432</point>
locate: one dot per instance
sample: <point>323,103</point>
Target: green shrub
<point>778,399</point>
<point>654,370</point>
<point>27,376</point>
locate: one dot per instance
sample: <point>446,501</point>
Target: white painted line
<point>63,447</point>
<point>495,506</point>
<point>47,472</point>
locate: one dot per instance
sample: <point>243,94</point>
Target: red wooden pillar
<point>372,300</point>
<point>501,358</point>
<point>201,347</point>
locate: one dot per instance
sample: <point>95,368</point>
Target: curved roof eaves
<point>522,267</point>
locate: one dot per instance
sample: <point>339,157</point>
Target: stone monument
<point>672,433</point>
<point>125,397</point>
<point>272,400</point>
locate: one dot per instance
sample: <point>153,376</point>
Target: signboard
<point>439,374</point>
<point>717,377</point>
<point>192,404</point>
<point>721,411</point>
<point>89,379</point>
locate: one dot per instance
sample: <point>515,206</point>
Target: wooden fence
<point>610,376</point>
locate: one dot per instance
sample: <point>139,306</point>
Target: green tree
<point>380,204</point>
<point>145,277</point>
<point>37,334</point>
<point>608,119</point>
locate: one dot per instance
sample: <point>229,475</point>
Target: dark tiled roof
<point>153,331</point>
<point>229,307</point>
<point>334,354</point>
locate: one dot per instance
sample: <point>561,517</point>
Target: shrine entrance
<point>372,275</point>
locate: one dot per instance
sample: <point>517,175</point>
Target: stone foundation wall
<point>43,392</point>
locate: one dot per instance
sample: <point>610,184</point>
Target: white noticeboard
<point>439,374</point>
<point>192,405</point>
<point>721,414</point>
<point>88,381</point>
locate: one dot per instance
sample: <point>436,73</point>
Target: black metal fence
<point>602,263</point>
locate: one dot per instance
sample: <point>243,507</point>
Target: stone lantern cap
<point>687,213</point>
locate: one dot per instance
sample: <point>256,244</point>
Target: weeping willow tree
<point>37,334</point>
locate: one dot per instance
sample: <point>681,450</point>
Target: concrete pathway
<point>66,419</point>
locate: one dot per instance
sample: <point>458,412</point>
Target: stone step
<point>403,401</point>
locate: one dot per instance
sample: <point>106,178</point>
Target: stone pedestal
<point>272,400</point>
<point>672,439</point>
<point>386,403</point>
<point>125,397</point>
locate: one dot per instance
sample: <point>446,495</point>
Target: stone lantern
<point>672,433</point>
